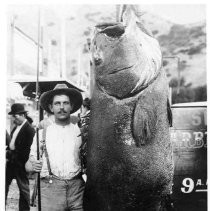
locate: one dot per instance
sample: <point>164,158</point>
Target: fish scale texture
<point>129,163</point>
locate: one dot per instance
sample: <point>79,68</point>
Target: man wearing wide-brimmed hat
<point>62,184</point>
<point>17,153</point>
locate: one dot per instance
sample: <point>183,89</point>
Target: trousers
<point>18,172</point>
<point>62,195</point>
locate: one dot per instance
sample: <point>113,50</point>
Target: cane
<point>33,197</point>
<point>34,194</point>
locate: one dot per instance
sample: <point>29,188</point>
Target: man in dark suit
<point>17,154</point>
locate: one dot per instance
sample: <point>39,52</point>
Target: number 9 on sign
<point>188,184</point>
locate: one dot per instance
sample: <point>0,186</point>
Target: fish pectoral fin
<point>143,125</point>
<point>142,135</point>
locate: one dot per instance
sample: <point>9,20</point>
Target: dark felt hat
<point>86,103</point>
<point>74,95</point>
<point>17,108</point>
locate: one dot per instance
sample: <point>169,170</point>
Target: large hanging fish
<point>129,162</point>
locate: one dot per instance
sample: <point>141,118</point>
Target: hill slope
<point>186,42</point>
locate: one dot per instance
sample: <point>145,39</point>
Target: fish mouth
<point>121,69</point>
<point>113,30</point>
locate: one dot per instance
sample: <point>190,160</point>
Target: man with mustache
<point>62,184</point>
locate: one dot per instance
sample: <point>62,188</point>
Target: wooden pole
<point>63,48</point>
<point>11,47</point>
<point>37,108</point>
<point>179,77</point>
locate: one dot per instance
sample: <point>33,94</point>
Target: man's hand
<point>37,165</point>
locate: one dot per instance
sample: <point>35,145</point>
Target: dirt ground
<point>13,196</point>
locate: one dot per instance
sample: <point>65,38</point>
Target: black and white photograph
<point>105,107</point>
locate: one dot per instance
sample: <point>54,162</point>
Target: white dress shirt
<point>15,134</point>
<point>62,143</point>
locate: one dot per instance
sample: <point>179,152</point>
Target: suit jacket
<point>8,139</point>
<point>23,144</point>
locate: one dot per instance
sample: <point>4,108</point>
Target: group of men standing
<point>62,184</point>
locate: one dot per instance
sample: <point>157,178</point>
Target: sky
<point>175,12</point>
<point>179,13</point>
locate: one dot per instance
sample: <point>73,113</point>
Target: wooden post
<point>37,107</point>
<point>10,60</point>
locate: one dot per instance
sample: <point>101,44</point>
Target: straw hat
<point>74,95</point>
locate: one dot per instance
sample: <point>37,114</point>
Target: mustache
<point>62,112</point>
